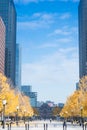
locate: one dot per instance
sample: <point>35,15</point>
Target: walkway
<point>39,125</point>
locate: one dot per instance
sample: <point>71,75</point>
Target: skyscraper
<point>18,67</point>
<point>2,46</point>
<point>82,38</point>
<point>8,14</point>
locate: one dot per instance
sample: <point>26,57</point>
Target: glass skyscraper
<point>18,67</point>
<point>8,14</point>
<point>2,46</point>
<point>82,38</point>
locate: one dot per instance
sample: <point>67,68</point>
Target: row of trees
<point>76,104</point>
<point>15,100</point>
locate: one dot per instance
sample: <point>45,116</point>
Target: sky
<point>47,31</point>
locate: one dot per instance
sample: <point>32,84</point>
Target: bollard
<point>3,124</point>
<point>8,126</point>
<point>44,126</point>
<point>25,126</point>
<point>28,126</point>
<point>85,126</point>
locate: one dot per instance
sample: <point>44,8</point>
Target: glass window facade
<point>18,67</point>
<point>8,14</point>
<point>26,89</point>
<point>2,46</point>
<point>82,38</point>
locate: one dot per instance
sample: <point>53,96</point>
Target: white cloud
<point>65,16</point>
<point>56,73</point>
<point>70,0</point>
<point>48,45</point>
<point>41,20</point>
<point>37,20</point>
<point>64,40</point>
<point>25,1</point>
<point>36,1</point>
<point>67,33</point>
<point>29,1</point>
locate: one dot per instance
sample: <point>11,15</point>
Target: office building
<point>2,46</point>
<point>8,14</point>
<point>82,12</point>
<point>18,67</point>
<point>50,103</point>
<point>61,105</point>
<point>26,89</point>
<point>77,86</point>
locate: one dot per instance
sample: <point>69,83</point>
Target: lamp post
<point>66,115</point>
<point>72,116</point>
<point>81,109</point>
<point>3,122</point>
<point>17,114</point>
<point>24,116</point>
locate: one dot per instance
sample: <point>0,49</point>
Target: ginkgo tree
<point>13,99</point>
<point>76,104</point>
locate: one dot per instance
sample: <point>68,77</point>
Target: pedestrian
<point>64,125</point>
<point>50,120</point>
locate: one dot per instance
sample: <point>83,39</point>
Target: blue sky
<point>47,30</point>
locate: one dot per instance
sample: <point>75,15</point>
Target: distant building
<point>8,14</point>
<point>61,105</point>
<point>18,67</point>
<point>33,98</point>
<point>45,111</point>
<point>82,38</point>
<point>26,89</point>
<point>2,46</point>
<point>50,103</point>
<point>39,103</point>
<point>77,86</point>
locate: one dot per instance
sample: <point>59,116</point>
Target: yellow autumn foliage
<point>56,110</point>
<point>24,105</point>
<point>77,101</point>
<point>13,98</point>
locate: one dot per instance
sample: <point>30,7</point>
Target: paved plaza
<point>40,126</point>
<point>58,128</point>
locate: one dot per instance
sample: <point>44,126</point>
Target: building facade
<point>82,12</point>
<point>8,14</point>
<point>26,89</point>
<point>18,67</point>
<point>2,46</point>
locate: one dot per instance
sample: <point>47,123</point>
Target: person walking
<point>64,125</point>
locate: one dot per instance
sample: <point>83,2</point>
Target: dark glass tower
<point>82,38</point>
<point>8,14</point>
<point>18,66</point>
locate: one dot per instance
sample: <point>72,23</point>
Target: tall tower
<point>82,12</point>
<point>2,46</point>
<point>18,66</point>
<point>8,14</point>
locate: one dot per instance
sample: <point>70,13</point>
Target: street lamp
<point>24,116</point>
<point>81,109</point>
<point>3,122</point>
<point>17,114</point>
